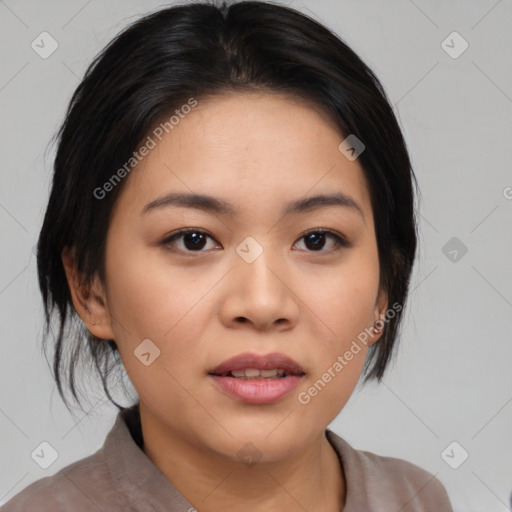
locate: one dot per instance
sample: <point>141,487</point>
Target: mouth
<point>251,365</point>
<point>256,374</point>
<point>257,379</point>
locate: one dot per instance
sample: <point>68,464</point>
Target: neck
<point>311,479</point>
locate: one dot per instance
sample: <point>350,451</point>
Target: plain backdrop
<point>452,379</point>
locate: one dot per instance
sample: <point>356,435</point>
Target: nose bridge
<point>259,292</point>
<point>258,268</point>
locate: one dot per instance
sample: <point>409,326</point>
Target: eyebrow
<point>219,206</point>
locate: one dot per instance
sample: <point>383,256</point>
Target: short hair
<point>200,50</point>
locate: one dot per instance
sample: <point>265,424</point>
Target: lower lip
<point>257,391</point>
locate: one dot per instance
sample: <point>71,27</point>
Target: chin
<point>271,439</point>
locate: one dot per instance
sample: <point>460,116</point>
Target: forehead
<point>250,149</point>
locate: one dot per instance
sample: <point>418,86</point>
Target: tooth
<point>253,373</point>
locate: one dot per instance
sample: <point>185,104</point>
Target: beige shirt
<point>120,477</point>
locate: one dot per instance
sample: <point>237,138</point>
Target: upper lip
<point>259,362</point>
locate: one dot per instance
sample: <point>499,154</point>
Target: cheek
<point>150,299</point>
<point>343,308</point>
<point>339,363</point>
<point>344,303</point>
<point>340,308</point>
<point>141,292</point>
<point>328,390</point>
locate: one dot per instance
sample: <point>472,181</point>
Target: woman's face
<point>248,281</point>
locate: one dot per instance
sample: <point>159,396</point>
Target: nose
<point>260,294</point>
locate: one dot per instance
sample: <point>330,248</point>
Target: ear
<point>89,301</point>
<point>381,306</point>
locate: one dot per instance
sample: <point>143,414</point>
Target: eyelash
<point>340,240</point>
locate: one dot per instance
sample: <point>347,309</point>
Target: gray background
<point>452,379</point>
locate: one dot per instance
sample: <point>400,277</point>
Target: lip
<point>259,362</point>
<point>257,391</point>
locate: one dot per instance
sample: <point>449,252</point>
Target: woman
<point>231,219</point>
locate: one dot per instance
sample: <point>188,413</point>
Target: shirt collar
<point>134,472</point>
<point>139,478</point>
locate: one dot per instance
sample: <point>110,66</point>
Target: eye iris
<point>198,240</point>
<point>318,240</point>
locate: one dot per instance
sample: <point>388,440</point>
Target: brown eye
<point>315,240</point>
<point>193,240</point>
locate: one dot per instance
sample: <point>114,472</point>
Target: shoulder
<point>75,487</point>
<point>407,480</point>
<point>391,482</point>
